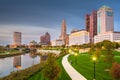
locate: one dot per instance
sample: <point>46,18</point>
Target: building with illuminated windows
<point>17,39</point>
<point>105,26</point>
<point>79,37</point>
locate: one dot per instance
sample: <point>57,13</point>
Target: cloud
<point>28,33</point>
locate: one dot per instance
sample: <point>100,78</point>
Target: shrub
<point>51,69</point>
<point>115,71</point>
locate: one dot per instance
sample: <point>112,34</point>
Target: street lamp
<point>76,58</point>
<point>94,59</point>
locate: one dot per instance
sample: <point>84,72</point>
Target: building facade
<point>79,37</point>
<point>91,25</point>
<point>17,38</point>
<point>105,26</point>
<point>63,35</point>
<point>58,42</point>
<point>45,39</point>
<point>87,22</point>
<point>111,36</point>
<point>105,20</point>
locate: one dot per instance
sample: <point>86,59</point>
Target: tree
<point>2,49</point>
<point>51,69</point>
<point>99,45</point>
<point>97,53</point>
<point>108,47</point>
<point>115,45</point>
<point>115,71</point>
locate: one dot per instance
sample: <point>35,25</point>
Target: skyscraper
<point>105,26</point>
<point>63,31</point>
<point>105,20</point>
<point>17,38</point>
<point>45,39</point>
<point>91,25</point>
<point>87,20</point>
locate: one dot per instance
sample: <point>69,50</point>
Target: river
<point>10,64</point>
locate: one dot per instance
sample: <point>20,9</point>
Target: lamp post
<point>94,59</point>
<point>76,58</point>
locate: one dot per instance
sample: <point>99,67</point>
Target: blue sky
<point>35,17</point>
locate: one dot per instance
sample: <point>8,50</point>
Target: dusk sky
<point>35,17</point>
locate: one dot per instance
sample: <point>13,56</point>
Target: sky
<point>36,17</point>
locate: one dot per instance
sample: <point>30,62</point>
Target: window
<point>109,13</point>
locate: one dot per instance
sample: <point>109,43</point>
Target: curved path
<point>75,75</point>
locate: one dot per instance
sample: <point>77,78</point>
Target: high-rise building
<point>91,25</point>
<point>87,20</point>
<point>105,26</point>
<point>63,31</point>
<point>42,39</point>
<point>105,20</point>
<point>17,38</point>
<point>45,39</point>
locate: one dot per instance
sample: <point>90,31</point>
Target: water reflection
<point>33,55</point>
<point>17,62</point>
<point>10,64</point>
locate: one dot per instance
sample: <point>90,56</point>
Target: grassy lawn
<point>37,76</point>
<point>83,63</point>
<point>62,76</point>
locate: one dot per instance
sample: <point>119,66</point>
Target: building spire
<point>63,30</point>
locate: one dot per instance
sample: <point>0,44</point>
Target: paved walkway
<point>70,70</point>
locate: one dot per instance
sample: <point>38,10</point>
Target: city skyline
<point>34,18</point>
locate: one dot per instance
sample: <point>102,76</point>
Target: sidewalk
<point>74,75</point>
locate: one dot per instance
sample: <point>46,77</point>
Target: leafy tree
<point>51,69</point>
<point>97,53</point>
<point>109,57</point>
<point>115,45</point>
<point>2,49</point>
<point>115,71</point>
<point>99,45</point>
<point>107,45</point>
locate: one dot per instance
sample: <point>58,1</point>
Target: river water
<point>10,64</point>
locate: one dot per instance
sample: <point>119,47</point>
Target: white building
<point>113,37</point>
<point>105,26</point>
<point>105,20</point>
<point>78,37</point>
<point>58,42</point>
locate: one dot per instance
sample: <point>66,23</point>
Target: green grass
<point>37,76</point>
<point>62,76</point>
<point>83,63</point>
<point>85,66</point>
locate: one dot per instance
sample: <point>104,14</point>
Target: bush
<point>51,69</point>
<point>115,71</point>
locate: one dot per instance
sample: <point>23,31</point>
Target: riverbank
<point>11,54</point>
<point>24,74</point>
<point>62,75</point>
